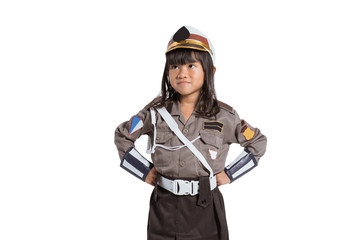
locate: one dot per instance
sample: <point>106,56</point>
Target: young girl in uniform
<point>190,132</point>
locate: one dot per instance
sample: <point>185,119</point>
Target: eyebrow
<point>185,63</point>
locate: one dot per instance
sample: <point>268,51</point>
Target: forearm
<point>244,163</point>
<point>134,163</point>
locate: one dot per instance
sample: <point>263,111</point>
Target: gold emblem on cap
<point>176,45</point>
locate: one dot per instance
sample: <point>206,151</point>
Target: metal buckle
<point>183,187</point>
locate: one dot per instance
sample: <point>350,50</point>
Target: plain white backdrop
<point>71,71</point>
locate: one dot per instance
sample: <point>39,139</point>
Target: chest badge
<point>213,125</point>
<point>213,154</point>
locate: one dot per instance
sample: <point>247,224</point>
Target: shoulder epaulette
<point>150,104</point>
<point>226,107</point>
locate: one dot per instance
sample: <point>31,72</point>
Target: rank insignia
<point>136,125</point>
<point>213,125</point>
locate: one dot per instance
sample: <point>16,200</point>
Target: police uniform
<point>198,216</point>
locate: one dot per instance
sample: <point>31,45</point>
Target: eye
<point>191,65</point>
<point>174,67</point>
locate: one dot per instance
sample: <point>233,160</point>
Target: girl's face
<point>187,79</point>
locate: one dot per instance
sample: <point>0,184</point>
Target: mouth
<point>183,82</point>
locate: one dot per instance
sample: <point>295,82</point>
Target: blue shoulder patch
<point>136,124</point>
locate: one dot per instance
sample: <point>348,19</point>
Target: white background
<point>71,71</point>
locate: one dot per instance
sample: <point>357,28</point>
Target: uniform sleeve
<point>127,132</point>
<point>249,137</point>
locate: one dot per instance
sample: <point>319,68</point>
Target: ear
<point>214,70</point>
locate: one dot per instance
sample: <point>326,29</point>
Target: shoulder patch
<point>248,133</point>
<point>226,107</point>
<point>136,124</point>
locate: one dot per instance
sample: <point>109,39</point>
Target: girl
<point>189,136</point>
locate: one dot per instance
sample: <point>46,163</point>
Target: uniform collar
<point>175,109</point>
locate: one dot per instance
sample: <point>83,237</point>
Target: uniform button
<point>182,163</point>
<point>186,131</point>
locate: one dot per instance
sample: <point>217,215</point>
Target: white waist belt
<point>183,187</point>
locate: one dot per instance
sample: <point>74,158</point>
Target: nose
<point>183,73</point>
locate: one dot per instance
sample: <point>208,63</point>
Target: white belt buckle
<point>183,187</point>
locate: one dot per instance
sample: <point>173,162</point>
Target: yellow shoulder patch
<point>248,134</point>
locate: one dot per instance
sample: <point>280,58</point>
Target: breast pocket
<point>212,138</point>
<point>213,149</point>
<point>163,156</point>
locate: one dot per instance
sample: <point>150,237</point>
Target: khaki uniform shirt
<point>216,135</point>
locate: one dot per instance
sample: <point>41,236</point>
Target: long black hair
<point>207,105</point>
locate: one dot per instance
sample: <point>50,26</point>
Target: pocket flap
<point>212,138</point>
<point>163,136</point>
